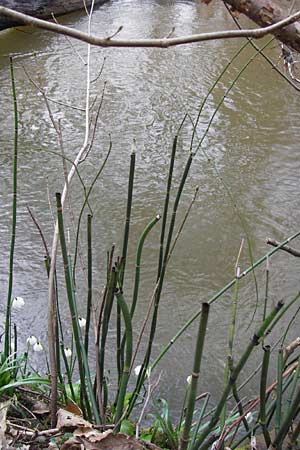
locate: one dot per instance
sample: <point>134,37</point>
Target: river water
<point>247,171</point>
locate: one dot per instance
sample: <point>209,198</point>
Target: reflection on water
<point>247,169</point>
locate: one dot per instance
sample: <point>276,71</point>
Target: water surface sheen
<point>247,170</point>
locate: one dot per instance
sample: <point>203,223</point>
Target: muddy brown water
<point>247,172</point>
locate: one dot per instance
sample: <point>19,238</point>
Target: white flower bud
<point>38,347</point>
<point>189,379</point>
<point>82,322</point>
<point>31,340</point>
<point>17,303</point>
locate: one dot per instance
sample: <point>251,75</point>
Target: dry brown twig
<point>256,33</point>
<point>285,248</point>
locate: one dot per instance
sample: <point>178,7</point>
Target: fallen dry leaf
<point>106,441</point>
<point>3,413</point>
<point>40,408</point>
<point>73,408</point>
<point>69,421</point>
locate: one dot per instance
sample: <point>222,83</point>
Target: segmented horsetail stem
<point>279,390</point>
<point>7,333</point>
<point>263,388</point>
<point>80,350</point>
<point>112,282</point>
<point>145,364</point>
<point>195,376</point>
<point>166,207</point>
<point>200,444</point>
<point>90,282</point>
<point>138,261</point>
<point>222,291</point>
<point>128,213</point>
<point>127,361</point>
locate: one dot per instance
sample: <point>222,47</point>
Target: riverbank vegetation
<point>70,404</point>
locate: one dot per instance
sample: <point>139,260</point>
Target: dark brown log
<point>42,9</point>
<point>267,12</point>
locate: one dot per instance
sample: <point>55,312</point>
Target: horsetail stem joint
<point>255,339</point>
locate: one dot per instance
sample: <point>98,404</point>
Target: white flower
<point>38,347</point>
<point>249,417</point>
<point>137,370</point>
<point>253,443</point>
<point>82,322</point>
<point>17,303</point>
<point>31,340</point>
<point>12,345</point>
<point>189,379</point>
<point>67,352</point>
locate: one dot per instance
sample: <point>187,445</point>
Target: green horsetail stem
<point>200,444</point>
<point>83,365</point>
<point>230,341</point>
<point>263,388</point>
<point>145,364</point>
<point>221,292</point>
<point>269,413</point>
<point>127,361</point>
<point>86,202</point>
<point>195,376</point>
<point>111,287</point>
<point>90,282</point>
<point>287,421</point>
<point>199,420</point>
<point>138,261</point>
<point>212,88</point>
<point>141,242</point>
<point>232,84</point>
<point>128,215</point>
<point>166,207</point>
<point>279,390</point>
<point>120,353</point>
<point>295,382</point>
<point>7,333</point>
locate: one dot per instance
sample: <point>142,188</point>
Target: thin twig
<point>159,43</point>
<point>286,248</point>
<point>151,389</point>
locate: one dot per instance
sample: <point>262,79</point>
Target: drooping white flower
<point>253,443</point>
<point>31,340</point>
<point>137,370</point>
<point>67,352</point>
<point>189,379</point>
<point>249,417</point>
<point>38,347</point>
<point>13,345</point>
<point>17,303</point>
<point>82,322</point>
